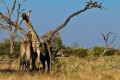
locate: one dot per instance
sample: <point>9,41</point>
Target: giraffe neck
<point>33,32</point>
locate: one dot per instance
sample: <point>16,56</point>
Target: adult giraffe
<point>36,45</point>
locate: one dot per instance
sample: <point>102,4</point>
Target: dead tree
<point>9,15</point>
<point>108,44</point>
<point>88,6</point>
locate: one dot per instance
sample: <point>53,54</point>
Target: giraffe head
<point>26,16</point>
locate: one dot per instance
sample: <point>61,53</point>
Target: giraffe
<point>25,53</point>
<point>36,45</point>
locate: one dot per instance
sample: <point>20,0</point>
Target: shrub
<point>97,50</point>
<point>79,52</point>
<point>5,48</point>
<point>112,52</point>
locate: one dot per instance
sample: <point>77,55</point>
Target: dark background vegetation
<point>96,51</point>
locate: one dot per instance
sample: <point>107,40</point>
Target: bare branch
<point>113,39</point>
<point>12,23</point>
<point>12,9</point>
<point>108,35</point>
<point>22,2</point>
<point>88,6</point>
<point>10,32</point>
<point>104,37</point>
<point>8,11</point>
<point>18,13</point>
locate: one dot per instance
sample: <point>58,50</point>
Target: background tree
<point>88,6</point>
<point>55,39</point>
<point>108,44</point>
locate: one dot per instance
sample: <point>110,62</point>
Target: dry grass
<point>68,68</point>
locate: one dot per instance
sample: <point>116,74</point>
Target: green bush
<point>112,52</point>
<point>79,52</point>
<point>69,51</point>
<point>5,48</point>
<point>97,50</point>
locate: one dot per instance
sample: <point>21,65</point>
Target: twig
<point>6,6</point>
<point>10,14</point>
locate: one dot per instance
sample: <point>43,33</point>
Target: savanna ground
<point>82,64</point>
<point>66,68</point>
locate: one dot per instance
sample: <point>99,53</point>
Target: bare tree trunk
<point>11,41</point>
<point>105,51</point>
<point>12,44</point>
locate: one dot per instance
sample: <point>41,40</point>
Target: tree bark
<point>11,44</point>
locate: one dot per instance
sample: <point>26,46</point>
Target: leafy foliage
<point>67,50</point>
<point>5,48</point>
<point>97,50</point>
<point>80,52</point>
